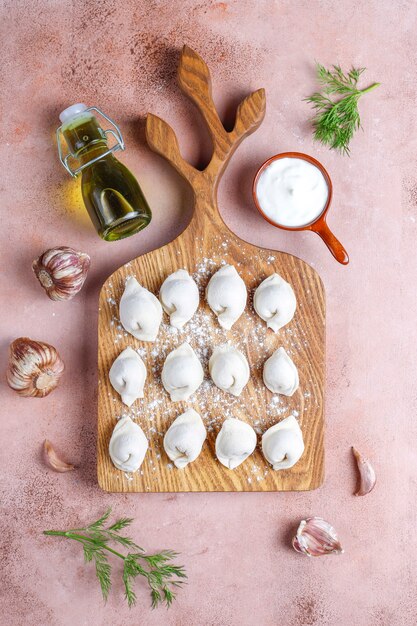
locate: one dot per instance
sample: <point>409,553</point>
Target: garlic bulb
<point>128,445</point>
<point>316,537</point>
<point>34,367</point>
<point>61,272</point>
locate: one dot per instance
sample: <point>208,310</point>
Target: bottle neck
<point>84,137</point>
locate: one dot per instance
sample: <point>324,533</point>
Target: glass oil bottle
<point>111,194</point>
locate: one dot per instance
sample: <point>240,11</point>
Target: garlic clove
<point>53,460</point>
<point>367,476</point>
<point>316,537</point>
<point>34,367</point>
<point>61,272</point>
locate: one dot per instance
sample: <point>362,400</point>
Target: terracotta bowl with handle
<point>319,224</point>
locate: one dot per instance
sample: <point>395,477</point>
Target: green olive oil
<point>111,194</point>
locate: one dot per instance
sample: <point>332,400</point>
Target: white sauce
<point>292,192</point>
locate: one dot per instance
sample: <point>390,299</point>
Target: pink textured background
<point>122,56</point>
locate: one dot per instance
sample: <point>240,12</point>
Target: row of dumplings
<point>141,315</point>
<point>282,444</point>
<point>141,311</point>
<point>182,373</point>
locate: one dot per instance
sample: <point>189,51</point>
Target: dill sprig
<point>162,576</point>
<point>336,120</point>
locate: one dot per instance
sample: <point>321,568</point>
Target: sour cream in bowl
<point>291,192</point>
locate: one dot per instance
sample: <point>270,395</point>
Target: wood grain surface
<point>202,248</point>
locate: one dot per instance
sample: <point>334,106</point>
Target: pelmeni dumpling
<point>184,438</point>
<point>140,311</point>
<point>182,373</point>
<point>280,374</point>
<point>128,445</point>
<point>179,297</point>
<point>127,376</point>
<point>282,444</point>
<point>226,295</point>
<point>229,369</point>
<point>235,442</point>
<point>274,301</point>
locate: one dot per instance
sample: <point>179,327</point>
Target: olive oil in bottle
<point>111,194</point>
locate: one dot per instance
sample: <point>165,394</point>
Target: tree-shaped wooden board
<point>202,248</point>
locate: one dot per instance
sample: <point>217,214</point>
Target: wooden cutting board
<point>202,248</point>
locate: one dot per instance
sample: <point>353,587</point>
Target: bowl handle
<point>334,245</point>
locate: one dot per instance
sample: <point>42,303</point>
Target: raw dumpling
<point>280,373</point>
<point>140,311</point>
<point>226,295</point>
<point>282,444</point>
<point>274,301</point>
<point>128,445</point>
<point>182,373</point>
<point>184,438</point>
<point>235,442</point>
<point>229,369</point>
<point>179,298</point>
<point>127,376</point>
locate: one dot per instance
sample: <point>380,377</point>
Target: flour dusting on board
<point>256,405</point>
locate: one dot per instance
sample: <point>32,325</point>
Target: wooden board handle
<point>194,79</point>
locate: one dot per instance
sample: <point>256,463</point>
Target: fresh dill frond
<point>120,524</point>
<point>160,574</point>
<point>126,542</point>
<point>100,522</point>
<point>337,120</point>
<point>103,572</point>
